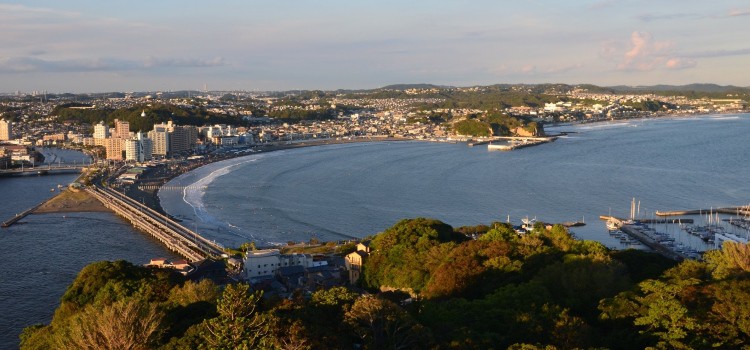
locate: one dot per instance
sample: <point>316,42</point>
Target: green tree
<point>239,324</point>
<point>381,324</point>
<point>126,324</point>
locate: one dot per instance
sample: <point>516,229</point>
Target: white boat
<point>611,225</point>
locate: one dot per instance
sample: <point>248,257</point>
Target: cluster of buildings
<point>165,140</point>
<point>13,153</point>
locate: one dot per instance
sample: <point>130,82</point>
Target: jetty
<point>742,210</point>
<point>518,142</point>
<point>170,233</point>
<point>637,233</point>
<point>15,219</point>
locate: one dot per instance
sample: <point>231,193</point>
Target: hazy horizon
<point>80,46</point>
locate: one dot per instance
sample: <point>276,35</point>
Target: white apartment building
<point>170,138</point>
<point>138,149</point>
<point>101,131</point>
<point>265,262</point>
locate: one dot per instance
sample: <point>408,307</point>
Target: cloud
<point>720,53</point>
<point>153,62</point>
<point>646,54</point>
<point>29,64</point>
<point>651,17</point>
<point>738,12</point>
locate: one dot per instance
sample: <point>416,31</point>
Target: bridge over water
<point>172,234</point>
<point>44,170</point>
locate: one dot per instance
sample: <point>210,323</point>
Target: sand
<point>71,202</point>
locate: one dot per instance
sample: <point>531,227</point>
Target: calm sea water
<point>43,253</point>
<point>355,190</point>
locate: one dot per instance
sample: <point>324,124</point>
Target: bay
<point>335,192</point>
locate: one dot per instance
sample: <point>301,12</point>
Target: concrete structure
<point>160,138</point>
<point>170,139</point>
<point>6,130</point>
<point>115,148</point>
<point>121,130</point>
<point>138,149</point>
<point>101,131</point>
<point>262,263</point>
<point>265,263</point>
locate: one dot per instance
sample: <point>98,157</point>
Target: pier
<point>15,219</point>
<point>173,235</point>
<point>635,232</point>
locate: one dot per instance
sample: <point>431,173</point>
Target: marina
<point>712,232</point>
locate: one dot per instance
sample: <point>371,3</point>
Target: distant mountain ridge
<point>710,88</point>
<point>414,86</point>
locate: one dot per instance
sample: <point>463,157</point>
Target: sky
<point>165,45</point>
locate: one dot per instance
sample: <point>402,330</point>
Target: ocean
<point>42,254</point>
<point>339,192</point>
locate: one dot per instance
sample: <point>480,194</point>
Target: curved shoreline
<point>152,200</point>
<point>320,143</point>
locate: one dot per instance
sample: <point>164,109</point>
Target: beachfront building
<point>160,138</point>
<point>138,149</point>
<point>6,130</point>
<point>170,139</point>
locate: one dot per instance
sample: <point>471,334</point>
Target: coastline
<point>65,203</point>
<point>150,197</point>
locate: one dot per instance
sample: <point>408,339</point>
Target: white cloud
<point>26,64</point>
<point>646,54</point>
<point>739,12</point>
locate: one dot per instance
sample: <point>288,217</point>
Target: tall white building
<point>138,149</point>
<point>101,131</point>
<point>6,130</point>
<point>170,138</point>
<point>160,138</point>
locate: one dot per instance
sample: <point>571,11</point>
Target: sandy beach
<point>68,201</point>
<point>71,202</point>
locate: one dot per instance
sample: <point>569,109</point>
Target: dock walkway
<point>635,232</point>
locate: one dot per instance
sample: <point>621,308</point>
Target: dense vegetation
<point>155,113</point>
<point>539,290</point>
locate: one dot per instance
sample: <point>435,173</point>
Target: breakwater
<point>19,216</point>
<point>741,210</point>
